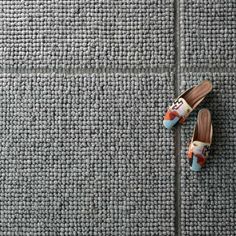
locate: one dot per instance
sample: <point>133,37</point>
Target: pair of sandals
<point>203,131</point>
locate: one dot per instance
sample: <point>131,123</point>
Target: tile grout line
<point>177,134</point>
<point>205,69</point>
<point>78,70</point>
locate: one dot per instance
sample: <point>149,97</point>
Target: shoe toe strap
<point>200,150</point>
<point>182,108</point>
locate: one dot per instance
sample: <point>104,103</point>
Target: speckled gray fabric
<point>86,155</point>
<point>208,198</point>
<point>87,34</point>
<point>84,85</point>
<point>208,33</point>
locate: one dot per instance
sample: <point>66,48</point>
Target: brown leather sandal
<point>186,103</point>
<point>201,140</point>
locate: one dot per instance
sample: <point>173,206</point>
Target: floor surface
<point>84,86</point>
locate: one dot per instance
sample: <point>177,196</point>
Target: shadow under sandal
<point>201,141</point>
<point>186,103</point>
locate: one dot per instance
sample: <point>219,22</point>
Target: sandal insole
<point>203,132</point>
<point>198,92</point>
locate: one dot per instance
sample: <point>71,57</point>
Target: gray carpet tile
<point>86,155</point>
<point>208,197</point>
<point>87,34</point>
<point>208,33</point>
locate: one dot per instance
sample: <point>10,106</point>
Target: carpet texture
<point>87,34</point>
<point>86,155</point>
<point>208,34</point>
<point>208,197</point>
<point>84,85</point>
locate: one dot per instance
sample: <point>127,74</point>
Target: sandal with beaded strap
<point>201,140</point>
<point>186,103</point>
